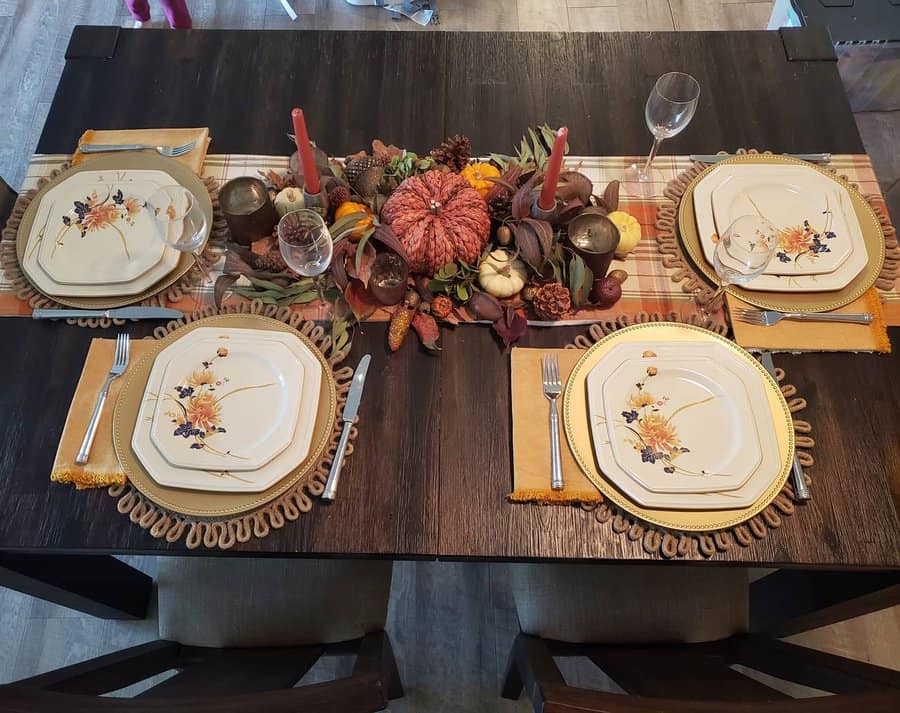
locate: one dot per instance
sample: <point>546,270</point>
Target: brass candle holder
<point>595,238</point>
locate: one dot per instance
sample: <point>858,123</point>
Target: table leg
<point>790,601</point>
<point>99,585</point>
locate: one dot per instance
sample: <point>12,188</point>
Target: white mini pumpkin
<point>288,199</point>
<point>502,275</point>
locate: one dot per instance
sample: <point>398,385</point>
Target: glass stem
<point>717,293</point>
<point>653,149</point>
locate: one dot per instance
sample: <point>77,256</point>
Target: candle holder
<point>316,201</point>
<point>387,281</point>
<point>248,210</point>
<point>541,214</point>
<point>594,238</point>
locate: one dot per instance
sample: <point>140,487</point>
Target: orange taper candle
<point>304,149</point>
<point>547,200</point>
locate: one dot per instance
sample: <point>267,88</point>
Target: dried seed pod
<point>611,196</point>
<point>400,323</point>
<point>485,306</point>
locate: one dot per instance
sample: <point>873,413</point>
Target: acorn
<point>412,299</point>
<point>618,275</point>
<point>504,235</point>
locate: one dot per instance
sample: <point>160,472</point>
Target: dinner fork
<point>552,390</point>
<point>170,151</point>
<point>120,363</point>
<point>768,317</point>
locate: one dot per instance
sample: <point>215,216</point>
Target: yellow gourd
<point>363,224</point>
<point>478,173</point>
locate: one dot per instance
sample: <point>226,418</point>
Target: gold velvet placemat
<point>797,336</point>
<point>193,159</point>
<point>531,434</point>
<point>102,469</point>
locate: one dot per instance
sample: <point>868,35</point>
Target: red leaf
<point>524,198</point>
<point>360,300</point>
<point>338,263</point>
<point>427,330</point>
<point>510,326</point>
<point>528,244</point>
<point>384,235</point>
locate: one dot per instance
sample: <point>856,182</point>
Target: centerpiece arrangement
<point>444,237</point>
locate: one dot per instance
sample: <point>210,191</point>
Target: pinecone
<point>552,301</point>
<point>338,195</point>
<point>500,207</point>
<point>368,181</point>
<point>455,152</point>
<point>355,167</point>
<point>271,261</point>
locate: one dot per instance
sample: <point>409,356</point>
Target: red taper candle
<point>304,150</point>
<point>547,200</point>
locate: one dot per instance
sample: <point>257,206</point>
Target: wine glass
<point>670,108</point>
<point>181,220</point>
<point>744,250</point>
<point>305,242</point>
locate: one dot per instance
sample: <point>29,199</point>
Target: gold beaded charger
<point>681,533</point>
<point>218,519</point>
<point>170,288</point>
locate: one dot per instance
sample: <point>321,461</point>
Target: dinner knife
<point>800,489</point>
<point>120,313</point>
<point>350,410</point>
<point>715,158</point>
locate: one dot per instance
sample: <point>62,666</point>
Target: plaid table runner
<point>648,289</point>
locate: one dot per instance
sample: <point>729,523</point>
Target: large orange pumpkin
<point>439,218</point>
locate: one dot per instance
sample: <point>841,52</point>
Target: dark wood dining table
<point>432,465</point>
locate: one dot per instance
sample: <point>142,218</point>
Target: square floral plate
<point>179,386</point>
<point>91,236</point>
<point>813,235</point>
<point>792,179</point>
<point>682,426</point>
<point>229,402</point>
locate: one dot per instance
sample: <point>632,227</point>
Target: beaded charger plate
<point>180,173</point>
<point>215,504</point>
<point>578,432</point>
<point>873,237</point>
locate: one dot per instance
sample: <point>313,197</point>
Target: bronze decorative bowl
<point>595,238</point>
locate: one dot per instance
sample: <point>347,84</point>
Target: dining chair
<point>238,635</point>
<point>7,201</point>
<point>670,638</point>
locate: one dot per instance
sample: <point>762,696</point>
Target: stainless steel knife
<point>715,158</point>
<point>350,410</point>
<point>120,313</point>
<point>800,489</point>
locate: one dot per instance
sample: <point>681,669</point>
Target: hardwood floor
<point>448,621</point>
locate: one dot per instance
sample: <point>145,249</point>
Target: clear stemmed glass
<point>744,250</point>
<point>181,220</point>
<point>305,242</point>
<point>670,108</point>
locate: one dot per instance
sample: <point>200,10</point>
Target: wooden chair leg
<point>512,681</point>
<point>375,655</point>
<point>535,670</point>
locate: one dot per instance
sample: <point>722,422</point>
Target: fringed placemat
<point>673,544</point>
<point>224,533</point>
<point>692,283</point>
<point>26,292</point>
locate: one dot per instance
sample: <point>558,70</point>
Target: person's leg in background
<point>176,13</point>
<point>139,9</point>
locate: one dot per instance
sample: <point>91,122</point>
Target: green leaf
<point>346,224</point>
<point>265,284</point>
<point>577,270</point>
<point>360,250</point>
<point>437,285</point>
<point>305,298</point>
<point>447,271</point>
<point>462,292</point>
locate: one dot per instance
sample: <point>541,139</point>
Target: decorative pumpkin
<point>288,200</point>
<point>502,275</point>
<point>438,218</point>
<point>477,174</point>
<point>363,224</point>
<point>629,232</point>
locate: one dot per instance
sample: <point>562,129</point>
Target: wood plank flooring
<point>449,622</point>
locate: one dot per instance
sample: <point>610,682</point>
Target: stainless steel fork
<point>768,317</point>
<point>170,151</point>
<point>120,363</point>
<point>552,389</point>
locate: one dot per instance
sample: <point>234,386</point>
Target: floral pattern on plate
<point>93,214</point>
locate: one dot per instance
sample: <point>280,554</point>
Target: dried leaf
<point>511,326</point>
<point>427,330</point>
<point>544,232</point>
<point>523,199</point>
<point>485,306</point>
<point>360,300</point>
<point>338,263</point>
<point>611,196</point>
<point>571,209</point>
<point>365,256</point>
<point>573,184</point>
<point>528,245</point>
<point>223,283</point>
<point>384,235</point>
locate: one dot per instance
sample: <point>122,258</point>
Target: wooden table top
<point>431,467</point>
